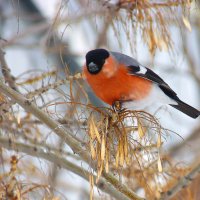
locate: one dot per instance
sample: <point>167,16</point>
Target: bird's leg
<point>117,106</point>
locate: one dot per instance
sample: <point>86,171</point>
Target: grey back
<point>127,60</point>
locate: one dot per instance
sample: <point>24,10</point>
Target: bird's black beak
<point>92,67</point>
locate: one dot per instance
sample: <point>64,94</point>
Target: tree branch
<point>182,183</point>
<point>63,133</point>
<point>60,161</point>
<point>6,71</point>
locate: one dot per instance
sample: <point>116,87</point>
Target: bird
<point>116,77</point>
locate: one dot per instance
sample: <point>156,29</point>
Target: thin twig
<point>43,26</point>
<point>60,161</point>
<point>131,5</point>
<point>182,183</point>
<point>192,66</point>
<point>192,144</point>
<point>101,41</point>
<point>6,71</point>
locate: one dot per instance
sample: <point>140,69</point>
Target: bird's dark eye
<point>93,68</point>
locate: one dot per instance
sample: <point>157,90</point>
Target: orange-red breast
<point>116,77</point>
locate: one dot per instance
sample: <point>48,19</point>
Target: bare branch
<point>182,183</point>
<point>60,161</point>
<point>191,143</point>
<point>6,71</point>
<point>63,133</point>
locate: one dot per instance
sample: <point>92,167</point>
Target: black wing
<point>148,74</point>
<point>135,68</point>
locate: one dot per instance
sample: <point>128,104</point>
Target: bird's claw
<point>117,106</point>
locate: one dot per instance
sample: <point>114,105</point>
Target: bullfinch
<point>115,77</point>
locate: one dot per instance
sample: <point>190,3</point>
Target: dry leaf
<point>91,180</point>
<point>107,163</point>
<point>95,130</point>
<point>159,141</point>
<point>93,153</point>
<point>103,148</point>
<point>187,23</point>
<point>125,147</point>
<point>2,98</point>
<point>140,130</point>
<point>56,198</point>
<point>18,119</point>
<point>78,75</point>
<point>121,152</point>
<point>160,169</point>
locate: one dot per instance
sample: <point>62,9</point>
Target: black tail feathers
<point>187,109</point>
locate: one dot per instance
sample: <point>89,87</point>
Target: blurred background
<point>54,35</point>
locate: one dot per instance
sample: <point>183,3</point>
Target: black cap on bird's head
<point>95,60</point>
